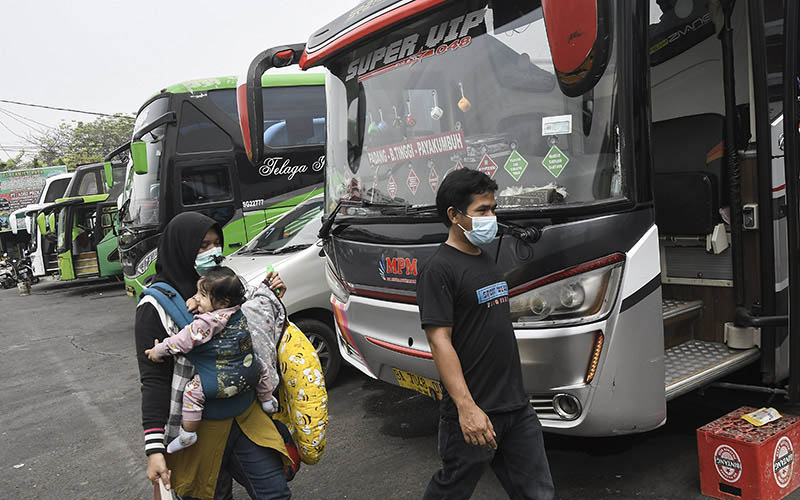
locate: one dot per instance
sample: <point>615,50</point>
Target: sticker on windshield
<point>417,148</point>
<point>392,187</point>
<point>458,166</point>
<point>555,161</point>
<point>412,182</point>
<point>433,179</point>
<point>556,125</point>
<point>488,166</point>
<point>515,165</point>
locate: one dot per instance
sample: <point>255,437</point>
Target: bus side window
<point>205,184</point>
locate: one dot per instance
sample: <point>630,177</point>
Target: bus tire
<point>323,338</point>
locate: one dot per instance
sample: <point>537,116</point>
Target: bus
<point>42,250</point>
<point>188,155</point>
<point>85,222</point>
<point>646,157</point>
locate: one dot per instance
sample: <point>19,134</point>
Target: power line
<point>26,118</point>
<point>7,153</point>
<point>20,121</point>
<point>56,108</point>
<point>16,134</point>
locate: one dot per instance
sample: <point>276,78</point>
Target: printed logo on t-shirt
<point>493,294</point>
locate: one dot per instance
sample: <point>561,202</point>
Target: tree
<point>18,162</point>
<point>79,142</point>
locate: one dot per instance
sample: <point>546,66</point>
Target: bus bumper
<point>625,394</point>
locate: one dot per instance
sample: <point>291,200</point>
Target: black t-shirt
<point>469,294</point>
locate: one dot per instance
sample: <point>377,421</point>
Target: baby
<point>221,349</point>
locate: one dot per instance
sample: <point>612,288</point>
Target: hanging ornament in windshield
<point>397,121</point>
<point>382,125</point>
<point>436,111</point>
<point>373,127</point>
<point>463,103</point>
<point>410,120</point>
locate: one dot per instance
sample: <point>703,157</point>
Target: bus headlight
<point>336,286</point>
<point>581,294</point>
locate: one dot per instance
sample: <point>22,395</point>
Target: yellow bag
<point>302,394</point>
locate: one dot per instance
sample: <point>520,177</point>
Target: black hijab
<point>177,251</point>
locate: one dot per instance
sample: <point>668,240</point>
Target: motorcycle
<point>8,274</point>
<point>24,270</point>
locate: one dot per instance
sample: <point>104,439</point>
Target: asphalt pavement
<point>70,420</point>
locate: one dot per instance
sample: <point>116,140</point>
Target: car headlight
<point>581,294</point>
<point>145,261</point>
<point>336,286</point>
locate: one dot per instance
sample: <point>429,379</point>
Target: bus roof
<point>229,82</point>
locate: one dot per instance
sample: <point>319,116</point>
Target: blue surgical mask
<point>484,229</point>
<point>208,260</point>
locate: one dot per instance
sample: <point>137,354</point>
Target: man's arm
<point>475,424</point>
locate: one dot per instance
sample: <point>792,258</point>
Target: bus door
<point>292,167</point>
<point>204,166</point>
<point>108,247</point>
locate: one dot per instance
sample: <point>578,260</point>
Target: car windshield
<point>143,198</point>
<point>296,230</point>
<point>468,87</point>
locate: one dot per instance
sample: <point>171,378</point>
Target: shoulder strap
<point>171,301</point>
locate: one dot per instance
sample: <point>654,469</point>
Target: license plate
<point>423,385</point>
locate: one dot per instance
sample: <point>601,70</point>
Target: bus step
<point>673,310</point>
<point>696,363</point>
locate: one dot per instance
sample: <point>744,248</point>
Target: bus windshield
<point>296,230</point>
<point>143,201</point>
<point>468,87</point>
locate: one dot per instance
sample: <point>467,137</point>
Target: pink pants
<point>194,400</point>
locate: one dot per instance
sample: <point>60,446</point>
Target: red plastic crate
<point>741,461</point>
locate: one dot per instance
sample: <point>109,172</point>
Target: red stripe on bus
<point>366,29</point>
<point>401,349</point>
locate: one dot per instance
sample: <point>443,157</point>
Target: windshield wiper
<point>275,251</point>
<point>290,249</point>
<point>325,230</point>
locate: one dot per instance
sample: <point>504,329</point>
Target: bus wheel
<point>324,341</point>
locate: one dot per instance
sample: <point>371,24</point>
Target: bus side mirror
<point>250,101</point>
<point>41,223</point>
<point>578,33</point>
<point>108,174</point>
<point>139,155</point>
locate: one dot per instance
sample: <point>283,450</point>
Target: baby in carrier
<point>219,344</point>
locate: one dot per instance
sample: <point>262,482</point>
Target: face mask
<point>208,260</point>
<point>484,229</point>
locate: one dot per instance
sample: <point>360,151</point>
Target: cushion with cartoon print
<point>302,394</point>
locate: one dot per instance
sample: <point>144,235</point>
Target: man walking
<point>485,415</point>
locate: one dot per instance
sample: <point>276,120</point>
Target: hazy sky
<point>110,56</point>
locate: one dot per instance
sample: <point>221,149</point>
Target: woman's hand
<point>157,468</point>
<point>275,283</point>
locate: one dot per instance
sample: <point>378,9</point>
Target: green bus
<point>187,154</point>
<point>85,220</point>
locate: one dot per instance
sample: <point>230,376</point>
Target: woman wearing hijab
<point>247,447</point>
